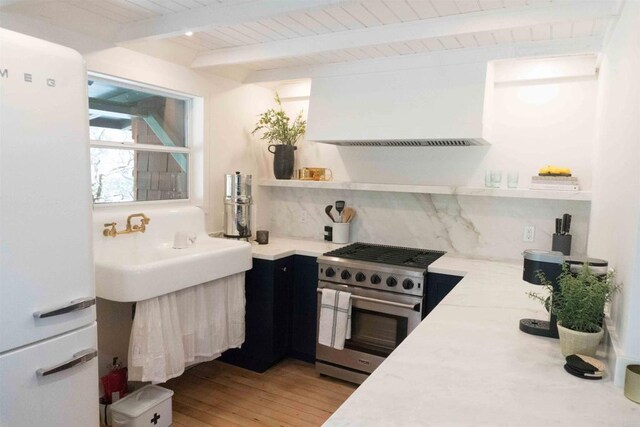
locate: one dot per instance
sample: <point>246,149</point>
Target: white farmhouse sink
<point>139,266</point>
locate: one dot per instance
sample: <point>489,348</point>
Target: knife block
<point>561,243</point>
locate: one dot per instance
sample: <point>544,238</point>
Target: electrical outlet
<point>303,216</point>
<point>529,233</point>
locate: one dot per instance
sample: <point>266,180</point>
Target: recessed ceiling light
<point>188,33</point>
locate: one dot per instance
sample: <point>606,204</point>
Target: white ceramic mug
<point>183,239</point>
<point>340,232</point>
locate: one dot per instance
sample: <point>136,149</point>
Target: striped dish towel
<point>335,318</point>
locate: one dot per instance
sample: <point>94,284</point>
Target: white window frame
<point>193,139</point>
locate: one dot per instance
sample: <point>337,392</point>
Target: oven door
<point>380,321</point>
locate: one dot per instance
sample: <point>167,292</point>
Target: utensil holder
<point>340,233</point>
<point>561,243</point>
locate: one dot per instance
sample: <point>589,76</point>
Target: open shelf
<point>518,193</point>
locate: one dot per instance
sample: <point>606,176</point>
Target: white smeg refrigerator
<point>48,363</point>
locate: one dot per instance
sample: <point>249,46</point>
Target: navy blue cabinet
<point>304,308</point>
<point>438,286</point>
<point>267,320</point>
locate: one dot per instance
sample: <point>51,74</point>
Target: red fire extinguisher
<point>114,384</point>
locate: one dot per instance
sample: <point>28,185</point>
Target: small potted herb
<point>578,305</point>
<point>282,136</point>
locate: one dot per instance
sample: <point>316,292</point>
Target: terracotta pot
<point>283,160</point>
<point>574,342</point>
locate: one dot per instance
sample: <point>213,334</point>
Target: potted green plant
<point>282,136</point>
<point>578,304</point>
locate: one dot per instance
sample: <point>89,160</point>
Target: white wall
<point>229,112</point>
<point>615,219</point>
<point>535,123</point>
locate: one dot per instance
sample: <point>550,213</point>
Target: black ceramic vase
<point>282,160</point>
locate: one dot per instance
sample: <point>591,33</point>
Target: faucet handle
<point>110,230</point>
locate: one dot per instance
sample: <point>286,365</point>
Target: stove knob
<point>360,277</point>
<point>345,275</point>
<point>330,272</point>
<point>375,279</point>
<point>391,281</point>
<point>407,284</point>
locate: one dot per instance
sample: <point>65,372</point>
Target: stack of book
<point>549,182</point>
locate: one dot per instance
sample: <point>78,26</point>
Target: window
<point>140,143</point>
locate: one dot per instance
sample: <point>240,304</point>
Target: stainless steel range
<point>387,286</point>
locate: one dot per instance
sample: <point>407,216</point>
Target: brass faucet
<point>110,228</point>
<point>143,223</point>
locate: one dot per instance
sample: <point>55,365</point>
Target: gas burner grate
<point>392,255</point>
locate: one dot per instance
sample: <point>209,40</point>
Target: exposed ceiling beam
<point>441,58</point>
<point>213,16</point>
<point>415,30</point>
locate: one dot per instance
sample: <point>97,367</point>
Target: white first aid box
<point>149,406</point>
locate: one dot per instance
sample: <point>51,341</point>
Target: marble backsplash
<point>476,226</point>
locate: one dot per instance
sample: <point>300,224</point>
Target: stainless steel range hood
<point>429,107</point>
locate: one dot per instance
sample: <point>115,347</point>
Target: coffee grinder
<point>550,264</point>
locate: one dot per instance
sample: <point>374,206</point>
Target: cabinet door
<point>304,308</point>
<point>267,318</point>
<point>438,286</point>
<point>68,397</point>
<point>282,283</point>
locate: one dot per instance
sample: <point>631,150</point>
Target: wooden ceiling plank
<point>214,15</point>
<point>491,4</point>
<point>541,32</point>
<point>256,32</point>
<point>171,5</point>
<point>267,30</point>
<point>449,57</point>
<point>500,19</point>
<point>561,30</point>
<point>468,6</point>
<point>417,46</point>
<point>279,28</point>
<point>402,10</point>
<point>380,10</point>
<point>484,38</point>
<point>450,42</point>
<point>327,20</point>
<point>386,50</point>
<point>503,36</point>
<point>152,6</point>
<point>582,28</point>
<point>445,7</point>
<point>294,25</point>
<point>359,12</point>
<point>342,16</point>
<point>423,8</point>
<point>233,33</point>
<point>467,40</point>
<point>522,34</point>
<point>307,21</point>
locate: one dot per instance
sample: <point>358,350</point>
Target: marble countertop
<point>468,364</point>
<point>281,247</point>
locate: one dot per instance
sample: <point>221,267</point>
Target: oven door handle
<point>414,307</point>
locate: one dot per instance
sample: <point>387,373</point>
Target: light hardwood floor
<point>288,394</point>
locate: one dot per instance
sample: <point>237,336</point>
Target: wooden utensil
<point>348,214</point>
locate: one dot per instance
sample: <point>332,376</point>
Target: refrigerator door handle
<point>79,358</point>
<point>77,304</point>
